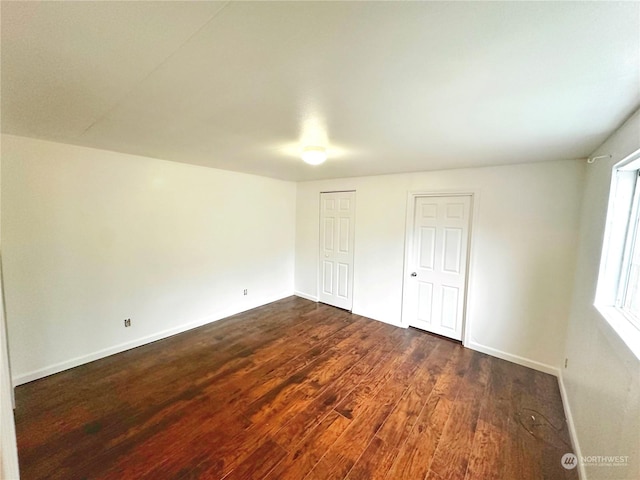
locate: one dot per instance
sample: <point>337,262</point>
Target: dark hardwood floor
<point>294,390</point>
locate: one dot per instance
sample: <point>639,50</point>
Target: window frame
<point>631,243</point>
<point>621,237</point>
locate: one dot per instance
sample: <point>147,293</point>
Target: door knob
<point>414,274</point>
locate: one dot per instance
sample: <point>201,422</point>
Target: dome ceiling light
<point>314,155</point>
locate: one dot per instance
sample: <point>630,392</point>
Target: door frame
<point>474,195</point>
<point>319,258</point>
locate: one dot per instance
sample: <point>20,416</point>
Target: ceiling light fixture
<point>314,155</point>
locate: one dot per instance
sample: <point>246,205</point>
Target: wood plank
<point>295,430</point>
<point>400,366</point>
<point>306,455</point>
<point>487,459</point>
<point>382,451</point>
<point>451,457</point>
<point>416,453</point>
<point>343,454</point>
<point>259,464</point>
<point>369,408</point>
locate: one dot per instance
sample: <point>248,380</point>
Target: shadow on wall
<point>537,298</point>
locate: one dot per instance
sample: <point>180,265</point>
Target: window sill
<point>621,327</point>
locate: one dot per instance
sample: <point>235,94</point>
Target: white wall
<point>524,239</point>
<point>92,237</point>
<point>602,381</point>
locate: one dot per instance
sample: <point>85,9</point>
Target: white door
<point>337,212</point>
<point>434,295</point>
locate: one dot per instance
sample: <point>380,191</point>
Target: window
<point>628,291</point>
<point>618,292</point>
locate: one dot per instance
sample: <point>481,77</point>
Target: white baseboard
<point>105,352</point>
<point>573,434</point>
<point>313,298</point>
<point>525,362</point>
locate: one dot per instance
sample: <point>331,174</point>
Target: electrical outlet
<point>127,322</point>
<point>245,291</point>
<point>566,362</point>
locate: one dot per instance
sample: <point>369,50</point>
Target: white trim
<point>525,362</point>
<point>630,162</point>
<point>573,434</point>
<point>620,225</point>
<point>9,466</point>
<point>475,212</point>
<point>619,206</point>
<point>474,193</point>
<point>105,352</point>
<point>313,298</point>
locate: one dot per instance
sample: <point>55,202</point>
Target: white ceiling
<point>391,87</point>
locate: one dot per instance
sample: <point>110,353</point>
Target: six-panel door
<point>438,264</point>
<point>337,210</point>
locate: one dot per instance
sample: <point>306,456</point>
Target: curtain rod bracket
<point>595,159</point>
